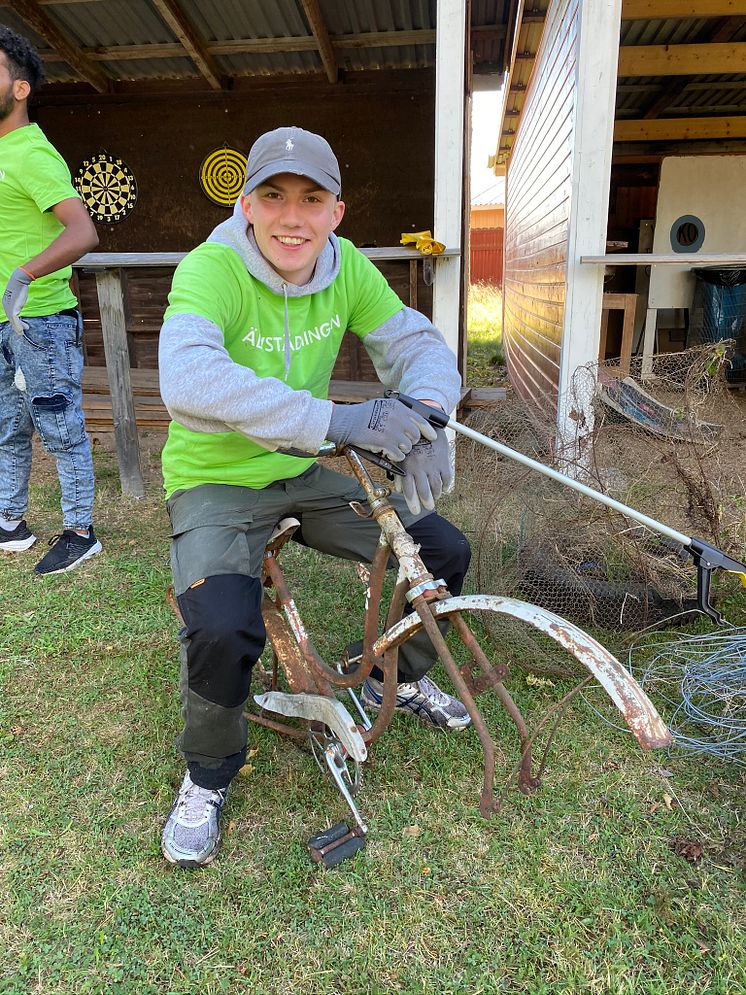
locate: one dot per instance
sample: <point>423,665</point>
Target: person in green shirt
<point>45,228</point>
<point>251,334</point>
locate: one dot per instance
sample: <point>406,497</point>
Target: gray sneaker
<point>191,836</point>
<point>422,698</point>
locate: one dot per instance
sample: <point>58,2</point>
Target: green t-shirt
<point>33,178</point>
<point>213,282</point>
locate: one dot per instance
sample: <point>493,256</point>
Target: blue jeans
<point>40,373</point>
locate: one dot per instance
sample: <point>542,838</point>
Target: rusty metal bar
<point>526,781</point>
<point>321,671</point>
<point>639,712</point>
<point>280,727</point>
<point>425,613</point>
<point>390,659</point>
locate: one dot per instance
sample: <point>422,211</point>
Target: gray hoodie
<point>206,391</point>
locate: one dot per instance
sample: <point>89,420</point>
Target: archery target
<point>108,188</point>
<point>221,176</point>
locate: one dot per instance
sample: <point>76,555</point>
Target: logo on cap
<point>290,144</point>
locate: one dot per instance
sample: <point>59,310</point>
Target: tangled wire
<point>703,680</point>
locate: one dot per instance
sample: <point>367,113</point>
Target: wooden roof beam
<point>251,46</point>
<point>682,60</point>
<point>323,42</point>
<point>194,46</point>
<point>680,129</point>
<point>31,12</point>
<point>724,30</point>
<point>640,10</point>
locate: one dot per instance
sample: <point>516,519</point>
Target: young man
<point>44,228</point>
<point>255,321</point>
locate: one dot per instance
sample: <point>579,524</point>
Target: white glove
<point>14,298</point>
<point>427,473</point>
<point>383,425</point>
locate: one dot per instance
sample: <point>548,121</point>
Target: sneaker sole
<point>190,865</point>
<point>81,559</point>
<point>17,545</point>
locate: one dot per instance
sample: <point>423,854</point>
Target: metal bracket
<point>318,708</point>
<point>428,271</point>
<point>426,585</point>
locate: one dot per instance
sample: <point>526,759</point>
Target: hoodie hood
<point>238,235</point>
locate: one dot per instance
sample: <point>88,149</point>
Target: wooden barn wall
<point>381,128</point>
<point>537,213</point>
<point>382,133</point>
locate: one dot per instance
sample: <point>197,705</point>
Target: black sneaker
<point>19,539</point>
<point>68,551</point>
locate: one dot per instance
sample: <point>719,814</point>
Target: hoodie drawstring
<point>287,331</point>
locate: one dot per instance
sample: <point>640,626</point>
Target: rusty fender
<point>639,712</point>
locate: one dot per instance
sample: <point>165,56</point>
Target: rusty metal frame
<point>306,672</point>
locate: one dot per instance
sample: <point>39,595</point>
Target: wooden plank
<point>672,129</point>
<point>94,260</point>
<point>484,397</point>
<point>251,46</point>
<point>628,304</point>
<point>413,284</point>
<point>721,30</point>
<point>150,410</point>
<point>320,31</point>
<point>692,259</point>
<point>144,382</point>
<point>639,10</point>
<point>118,364</point>
<point>43,25</point>
<point>184,30</point>
<point>682,60</point>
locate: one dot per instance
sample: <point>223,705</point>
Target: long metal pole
<point>576,485</point>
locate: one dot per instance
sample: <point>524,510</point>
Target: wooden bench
<point>150,411</point>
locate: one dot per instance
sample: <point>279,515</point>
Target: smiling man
<point>254,324</point>
<point>44,227</point>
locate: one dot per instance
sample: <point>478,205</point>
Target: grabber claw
<point>336,844</point>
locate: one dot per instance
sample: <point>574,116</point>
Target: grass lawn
<point>484,319</point>
<point>578,888</point>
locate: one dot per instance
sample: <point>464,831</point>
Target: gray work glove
<point>381,425</point>
<point>14,298</point>
<point>427,473</point>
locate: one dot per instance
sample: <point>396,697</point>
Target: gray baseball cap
<point>292,150</point>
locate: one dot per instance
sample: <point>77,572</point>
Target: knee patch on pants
<point>224,636</point>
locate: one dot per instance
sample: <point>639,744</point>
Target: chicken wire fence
<point>669,440</point>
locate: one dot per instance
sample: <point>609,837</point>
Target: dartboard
<point>221,176</point>
<point>108,188</point>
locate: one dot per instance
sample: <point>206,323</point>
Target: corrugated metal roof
<point>138,69</point>
<point>110,22</point>
<point>671,31</point>
<point>11,20</point>
<point>100,28</point>
<point>659,97</point>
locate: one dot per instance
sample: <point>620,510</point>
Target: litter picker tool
<point>706,557</point>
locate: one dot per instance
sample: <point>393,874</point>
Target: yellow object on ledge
<point>423,241</point>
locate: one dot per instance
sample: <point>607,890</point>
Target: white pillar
<point>596,80</point>
<point>450,60</point>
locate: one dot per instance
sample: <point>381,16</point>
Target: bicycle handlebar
<point>332,449</point>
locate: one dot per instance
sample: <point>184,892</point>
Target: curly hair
<point>23,59</point>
